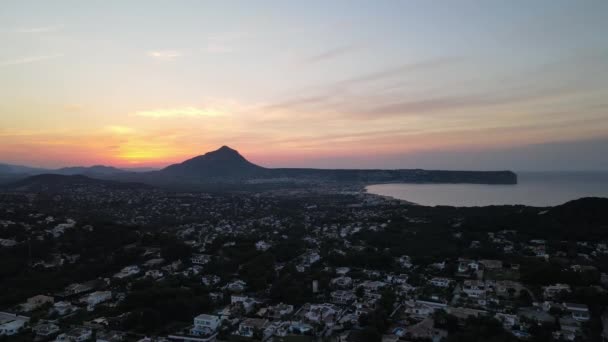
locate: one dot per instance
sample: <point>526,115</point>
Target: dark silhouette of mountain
<point>61,183</point>
<point>228,165</point>
<point>223,163</point>
<point>580,212</point>
<point>92,171</point>
<point>20,169</point>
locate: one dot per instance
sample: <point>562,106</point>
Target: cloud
<point>181,112</point>
<point>330,54</point>
<point>119,129</point>
<point>27,60</point>
<point>165,55</point>
<point>398,71</point>
<point>42,29</point>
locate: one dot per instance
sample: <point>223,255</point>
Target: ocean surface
<point>539,189</point>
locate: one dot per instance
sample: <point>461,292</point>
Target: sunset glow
<point>340,84</point>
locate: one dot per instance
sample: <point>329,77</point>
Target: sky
<point>519,85</point>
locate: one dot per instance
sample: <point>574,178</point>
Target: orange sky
<point>316,84</point>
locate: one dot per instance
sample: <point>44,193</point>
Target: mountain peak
<point>224,150</point>
<point>222,162</point>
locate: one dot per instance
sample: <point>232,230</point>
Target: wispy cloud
<point>330,54</point>
<point>27,60</point>
<point>165,55</point>
<point>181,112</point>
<point>40,29</point>
<point>116,129</point>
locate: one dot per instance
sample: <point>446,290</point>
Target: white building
<point>11,324</point>
<point>127,272</point>
<point>440,282</point>
<point>205,325</point>
<point>474,288</point>
<point>92,299</point>
<point>579,312</point>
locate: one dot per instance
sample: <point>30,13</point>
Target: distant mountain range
<point>228,166</point>
<point>59,183</point>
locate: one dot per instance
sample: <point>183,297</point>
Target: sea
<point>538,189</point>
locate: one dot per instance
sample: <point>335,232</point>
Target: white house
<point>342,281</point>
<point>342,297</point>
<point>11,324</point>
<point>80,334</point>
<point>440,282</point>
<point>205,325</point>
<point>45,330</point>
<point>94,298</point>
<point>579,312</point>
<point>63,308</point>
<point>127,272</point>
<point>200,259</point>
<point>551,291</point>
<point>250,326</point>
<point>474,288</point>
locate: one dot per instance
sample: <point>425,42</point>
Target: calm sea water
<point>534,189</point>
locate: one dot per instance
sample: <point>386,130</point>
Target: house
<point>342,270</point>
<point>11,324</point>
<point>205,325</point>
<point>110,336</point>
<point>236,286</point>
<point>474,288</point>
<point>465,265</point>
<point>321,313</point>
<point>76,289</point>
<point>210,280</point>
<point>79,334</point>
<point>579,312</point>
<point>262,245</point>
<point>127,272</point>
<point>35,302</point>
<point>63,308</point>
<point>508,321</point>
<point>280,311</point>
<point>251,327</point>
<point>247,303</point>
<point>491,264</point>
<point>426,330</point>
<point>342,281</point>
<point>154,274</point>
<point>421,309</point>
<point>342,297</point>
<point>405,261</point>
<point>45,330</point>
<point>463,313</point>
<point>371,286</point>
<point>94,298</point>
<point>440,282</point>
<point>551,291</point>
<point>200,259</point>
<point>284,329</point>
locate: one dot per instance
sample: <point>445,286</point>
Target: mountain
<point>92,171</point>
<point>224,163</point>
<point>582,212</point>
<point>20,169</point>
<point>54,183</point>
<point>227,165</point>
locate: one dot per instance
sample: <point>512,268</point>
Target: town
<point>92,262</point>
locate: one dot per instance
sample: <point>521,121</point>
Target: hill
<point>60,183</point>
<point>224,163</point>
<point>229,166</point>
